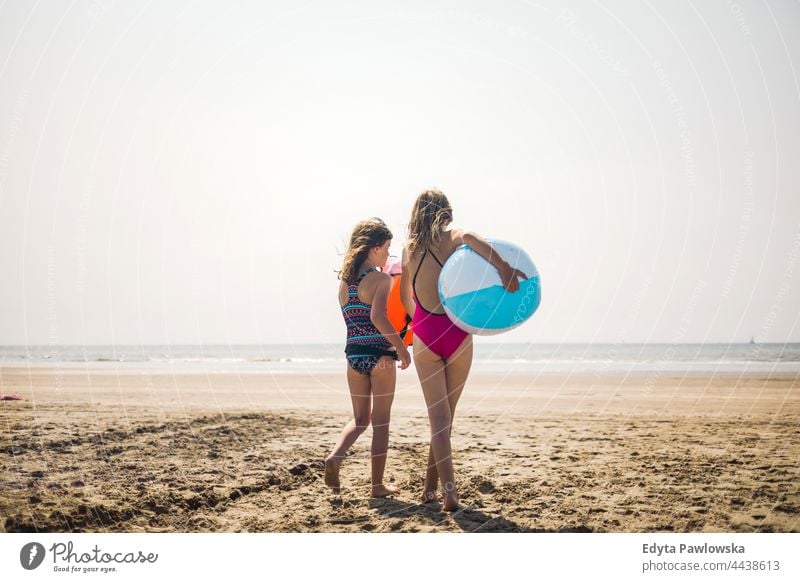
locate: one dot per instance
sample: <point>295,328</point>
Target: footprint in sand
<point>486,487</point>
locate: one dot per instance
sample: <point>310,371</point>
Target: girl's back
<point>424,268</point>
<point>357,313</point>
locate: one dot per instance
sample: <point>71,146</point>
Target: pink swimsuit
<point>436,330</point>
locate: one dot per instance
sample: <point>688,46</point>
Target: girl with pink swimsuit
<point>442,351</point>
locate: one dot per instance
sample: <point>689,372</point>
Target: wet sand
<point>161,452</point>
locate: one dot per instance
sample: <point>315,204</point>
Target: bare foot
<point>383,490</point>
<point>450,503</point>
<point>429,496</point>
<point>332,473</point>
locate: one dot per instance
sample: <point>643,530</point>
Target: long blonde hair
<point>428,216</point>
<point>367,235</point>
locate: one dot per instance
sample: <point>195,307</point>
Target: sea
<point>775,359</point>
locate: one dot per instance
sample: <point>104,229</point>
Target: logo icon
<point>31,555</point>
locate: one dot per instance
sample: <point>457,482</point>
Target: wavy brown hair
<point>367,234</point>
<point>428,216</point>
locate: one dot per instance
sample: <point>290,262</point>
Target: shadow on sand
<point>468,519</point>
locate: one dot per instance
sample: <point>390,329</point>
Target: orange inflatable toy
<point>395,310</point>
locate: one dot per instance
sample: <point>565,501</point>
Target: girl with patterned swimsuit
<point>365,344</point>
<point>442,351</point>
<point>371,349</point>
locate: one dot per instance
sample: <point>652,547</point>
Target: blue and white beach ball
<point>473,294</point>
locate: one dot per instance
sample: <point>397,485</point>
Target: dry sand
<point>145,452</point>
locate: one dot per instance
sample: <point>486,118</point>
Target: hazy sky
<point>175,172</point>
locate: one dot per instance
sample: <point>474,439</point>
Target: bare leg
<point>384,377</point>
<point>431,479</point>
<point>430,369</point>
<point>360,387</point>
<point>456,372</point>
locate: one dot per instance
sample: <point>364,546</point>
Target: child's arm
<point>508,275</point>
<point>406,288</point>
<point>381,321</point>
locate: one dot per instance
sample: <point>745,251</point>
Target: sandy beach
<point>139,451</point>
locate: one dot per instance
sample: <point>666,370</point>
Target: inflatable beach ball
<point>473,295</point>
<point>395,311</point>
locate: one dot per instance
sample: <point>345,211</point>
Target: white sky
<point>184,173</point>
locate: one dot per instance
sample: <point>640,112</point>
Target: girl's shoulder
<point>375,275</point>
<point>378,275</point>
<point>370,284</point>
<point>456,235</point>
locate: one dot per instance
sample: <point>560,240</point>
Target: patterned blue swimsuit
<point>365,344</point>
